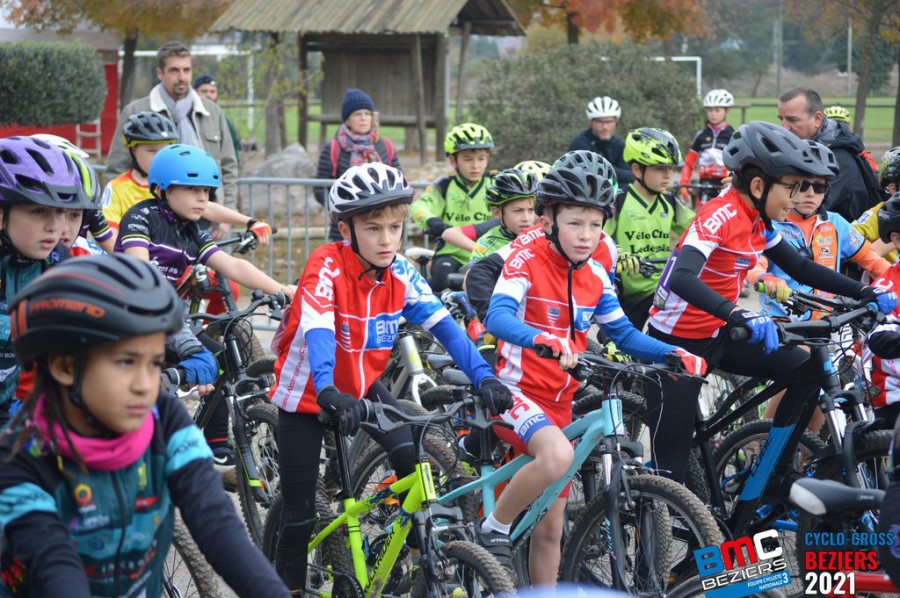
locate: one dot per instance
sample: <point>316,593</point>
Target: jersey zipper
<point>362,352</point>
<point>121,503</point>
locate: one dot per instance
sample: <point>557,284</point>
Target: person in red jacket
<point>706,148</point>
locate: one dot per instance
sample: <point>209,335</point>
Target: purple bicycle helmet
<point>34,171</point>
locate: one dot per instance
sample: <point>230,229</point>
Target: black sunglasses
<point>804,186</point>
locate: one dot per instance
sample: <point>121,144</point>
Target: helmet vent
<point>41,161</point>
<point>8,157</point>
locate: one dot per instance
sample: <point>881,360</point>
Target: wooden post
<point>303,98</point>
<point>419,82</point>
<point>440,95</point>
<point>461,77</point>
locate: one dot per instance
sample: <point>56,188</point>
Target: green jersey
<point>644,230</point>
<point>455,203</point>
<point>495,239</point>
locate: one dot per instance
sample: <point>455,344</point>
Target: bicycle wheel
<point>467,570</point>
<point>330,563</point>
<point>261,423</point>
<point>693,587</point>
<point>185,571</point>
<point>659,531</point>
<point>634,409</point>
<point>872,450</point>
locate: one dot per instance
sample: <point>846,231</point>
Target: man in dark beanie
<point>356,142</point>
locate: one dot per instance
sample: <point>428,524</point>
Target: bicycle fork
<point>242,439</point>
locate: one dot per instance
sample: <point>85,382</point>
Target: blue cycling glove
<point>762,328</point>
<point>200,368</point>
<point>884,300</point>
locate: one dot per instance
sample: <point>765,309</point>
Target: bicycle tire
<point>437,397</point>
<point>332,553</point>
<point>692,587</point>
<point>471,563</point>
<point>185,570</point>
<point>872,449</point>
<point>634,409</point>
<point>680,523</point>
<point>263,447</point>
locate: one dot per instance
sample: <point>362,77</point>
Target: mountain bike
<point>448,563</point>
<point>635,527</point>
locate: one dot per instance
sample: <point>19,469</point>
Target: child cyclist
<point>546,297</point>
<point>336,341</point>
<point>706,148</point>
<point>458,200</point>
<point>695,304</point>
<point>98,458</point>
<point>38,183</point>
<point>867,223</point>
<point>510,195</point>
<point>164,230</point>
<point>824,237</point>
<point>646,215</point>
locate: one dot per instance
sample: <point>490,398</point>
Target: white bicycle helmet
<point>603,107</point>
<point>718,98</point>
<point>63,144</point>
<point>367,187</point>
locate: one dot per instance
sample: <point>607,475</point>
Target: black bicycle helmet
<point>509,185</point>
<point>773,149</point>
<point>824,153</point>
<point>889,168</point>
<point>577,187</point>
<point>148,127</point>
<point>82,303</point>
<point>889,218</point>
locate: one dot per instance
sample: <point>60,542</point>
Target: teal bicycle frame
<point>591,429</point>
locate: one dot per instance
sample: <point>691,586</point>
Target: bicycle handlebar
<point>590,363</point>
<point>245,242</point>
<point>793,333</point>
<point>275,302</point>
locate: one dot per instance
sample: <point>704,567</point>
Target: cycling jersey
<point>453,201</point>
<point>731,236</point>
<point>483,275</point>
<point>533,296</point>
<point>495,239</point>
<point>644,229</point>
<point>107,533</point>
<point>174,243</point>
<point>867,225</point>
<point>120,195</point>
<point>342,321</point>
<point>83,247</point>
<point>706,153</point>
<point>825,239</point>
<point>886,373</point>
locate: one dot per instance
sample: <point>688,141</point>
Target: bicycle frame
<point>592,429</point>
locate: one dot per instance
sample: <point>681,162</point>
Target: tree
<point>129,18</point>
<point>642,19</point>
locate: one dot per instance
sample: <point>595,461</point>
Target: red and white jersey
<point>732,237</point>
<point>886,373</point>
<point>534,285</point>
<point>363,316</point>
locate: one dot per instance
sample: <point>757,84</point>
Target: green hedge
<point>50,83</point>
<point>535,104</point>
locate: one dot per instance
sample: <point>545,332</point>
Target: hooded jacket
<point>855,189</point>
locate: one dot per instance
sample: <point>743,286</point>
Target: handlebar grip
<point>739,333</point>
<point>325,419</point>
<point>173,377</point>
<point>279,299</point>
<point>544,352</point>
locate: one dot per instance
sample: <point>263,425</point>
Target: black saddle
<point>820,497</point>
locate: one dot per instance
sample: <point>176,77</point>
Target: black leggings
<point>673,413</point>
<point>638,312</point>
<point>441,267</point>
<point>299,445</point>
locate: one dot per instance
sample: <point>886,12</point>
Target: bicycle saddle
<point>819,497</point>
<point>417,254</point>
<point>439,362</point>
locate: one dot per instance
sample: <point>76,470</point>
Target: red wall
<point>108,118</point>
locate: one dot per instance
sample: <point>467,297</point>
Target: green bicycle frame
<point>419,487</point>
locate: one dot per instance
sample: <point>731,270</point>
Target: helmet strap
<point>553,237</point>
<point>354,245</point>
<point>74,395</point>
<point>134,164</point>
<point>760,204</point>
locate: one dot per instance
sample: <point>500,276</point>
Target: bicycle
<point>628,528</point>
<point>702,192</point>
<point>448,565</point>
<point>244,387</point>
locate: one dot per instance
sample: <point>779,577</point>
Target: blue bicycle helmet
<point>183,165</point>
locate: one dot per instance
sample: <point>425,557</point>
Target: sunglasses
<point>803,187</point>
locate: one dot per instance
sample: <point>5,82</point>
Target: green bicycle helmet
<point>535,167</point>
<point>652,147</point>
<point>838,113</point>
<point>467,136</point>
<point>889,168</point>
<point>509,185</point>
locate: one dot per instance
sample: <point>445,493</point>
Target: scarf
<point>103,454</point>
<point>360,147</point>
<point>180,111</point>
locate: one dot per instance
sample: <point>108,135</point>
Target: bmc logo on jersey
<point>382,332</point>
<point>719,218</point>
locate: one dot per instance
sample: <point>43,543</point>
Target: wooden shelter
<point>395,50</point>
